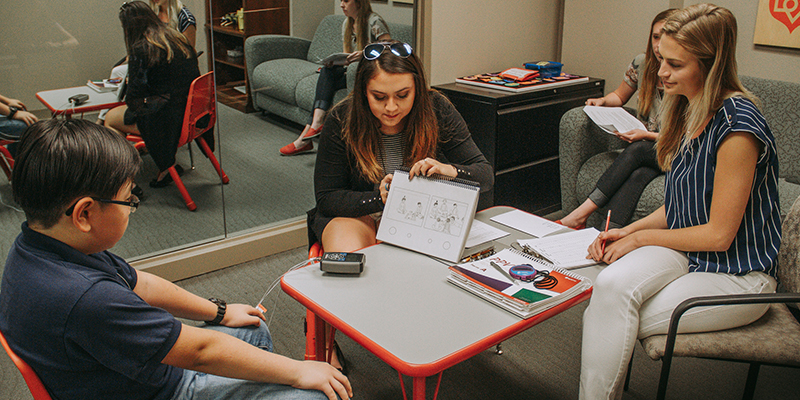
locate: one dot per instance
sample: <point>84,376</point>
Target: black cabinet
<point>518,134</point>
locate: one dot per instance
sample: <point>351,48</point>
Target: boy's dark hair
<point>60,161</point>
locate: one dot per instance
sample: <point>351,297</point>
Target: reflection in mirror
<point>54,45</point>
<point>266,187</point>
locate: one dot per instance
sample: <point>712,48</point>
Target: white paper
<point>482,232</point>
<point>566,250</point>
<point>531,224</point>
<point>613,119</point>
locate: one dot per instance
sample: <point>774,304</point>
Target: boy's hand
<point>239,315</point>
<point>323,377</point>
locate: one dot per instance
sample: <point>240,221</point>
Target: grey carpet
<point>264,188</point>
<point>541,363</point>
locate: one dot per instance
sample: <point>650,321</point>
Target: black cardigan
<point>341,190</point>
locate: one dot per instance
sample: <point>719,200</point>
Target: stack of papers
<point>613,119</point>
<point>566,250</point>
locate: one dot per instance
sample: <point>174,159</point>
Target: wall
<point>305,16</point>
<point>616,38</point>
<point>468,37</point>
<point>54,44</point>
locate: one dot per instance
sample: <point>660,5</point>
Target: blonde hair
<point>708,33</point>
<point>361,23</point>
<point>173,9</point>
<point>650,79</point>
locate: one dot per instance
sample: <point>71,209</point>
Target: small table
<point>403,310</point>
<point>58,104</point>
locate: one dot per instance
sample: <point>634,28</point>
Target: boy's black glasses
<point>133,203</point>
<point>375,50</point>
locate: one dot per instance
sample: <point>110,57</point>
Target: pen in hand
<point>502,271</point>
<point>608,221</point>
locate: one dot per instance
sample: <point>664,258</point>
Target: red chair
<point>6,161</point>
<point>201,105</point>
<point>35,384</point>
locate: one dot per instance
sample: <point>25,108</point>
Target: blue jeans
<point>200,386</point>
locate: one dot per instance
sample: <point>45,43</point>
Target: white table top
<point>403,304</point>
<point>57,100</point>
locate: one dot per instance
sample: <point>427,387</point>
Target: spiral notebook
<point>485,279</point>
<point>431,215</point>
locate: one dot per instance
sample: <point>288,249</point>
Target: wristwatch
<point>221,307</point>
<point>13,111</point>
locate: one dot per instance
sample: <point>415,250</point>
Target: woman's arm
<point>733,180</point>
<point>338,189</point>
<point>191,34</point>
<point>617,98</point>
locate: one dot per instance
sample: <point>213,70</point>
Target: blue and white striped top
<point>690,185</point>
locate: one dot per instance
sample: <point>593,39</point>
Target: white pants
<point>120,71</point>
<point>634,298</point>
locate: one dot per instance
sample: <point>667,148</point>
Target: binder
<point>523,299</point>
<point>431,215</point>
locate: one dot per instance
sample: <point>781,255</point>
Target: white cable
<point>274,284</point>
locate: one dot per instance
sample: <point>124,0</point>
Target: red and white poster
<point>778,23</point>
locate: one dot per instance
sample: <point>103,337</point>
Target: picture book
<point>431,215</point>
<point>519,283</point>
<point>335,59</point>
<point>497,82</point>
<point>104,85</point>
<point>519,74</point>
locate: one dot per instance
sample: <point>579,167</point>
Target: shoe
<point>312,133</point>
<point>344,370</point>
<point>167,179</point>
<point>137,191</point>
<point>290,149</point>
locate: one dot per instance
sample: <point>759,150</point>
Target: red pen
<point>608,221</point>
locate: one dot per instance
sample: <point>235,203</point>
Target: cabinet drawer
<point>535,188</point>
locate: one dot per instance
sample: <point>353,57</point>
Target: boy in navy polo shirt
<point>89,324</point>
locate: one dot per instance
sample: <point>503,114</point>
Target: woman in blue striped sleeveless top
<point>719,229</point>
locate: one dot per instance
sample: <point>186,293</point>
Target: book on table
<point>431,215</point>
<point>494,279</point>
<point>497,82</point>
<point>104,85</point>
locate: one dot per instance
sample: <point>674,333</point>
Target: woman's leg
<point>330,80</point>
<point>636,155</point>
<point>115,119</point>
<point>611,322</point>
<point>349,234</point>
<point>624,201</point>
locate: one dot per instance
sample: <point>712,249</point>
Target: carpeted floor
<point>541,363</point>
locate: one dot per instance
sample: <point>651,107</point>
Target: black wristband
<point>13,110</point>
<point>221,307</point>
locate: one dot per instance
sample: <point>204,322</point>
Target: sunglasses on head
<point>373,51</point>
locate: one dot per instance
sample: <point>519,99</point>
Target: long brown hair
<point>647,87</point>
<point>362,23</point>
<point>361,129</point>
<point>708,32</point>
<point>144,31</point>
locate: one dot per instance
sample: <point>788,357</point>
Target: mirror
<point>54,45</point>
<point>267,188</point>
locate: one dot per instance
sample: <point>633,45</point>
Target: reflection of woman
<point>172,13</point>
<point>162,67</point>
<point>360,28</point>
<point>623,182</point>
<point>391,119</point>
<point>719,229</point>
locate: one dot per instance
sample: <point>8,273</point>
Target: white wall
<point>469,37</point>
<point>600,41</point>
<point>54,44</point>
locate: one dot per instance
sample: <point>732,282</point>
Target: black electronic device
<point>78,99</point>
<point>343,263</point>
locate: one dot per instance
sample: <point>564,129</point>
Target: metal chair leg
<point>752,377</point>
<point>628,375</point>
<point>499,349</point>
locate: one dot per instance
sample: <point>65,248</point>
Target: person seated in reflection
<point>14,119</point>
<point>360,28</point>
<point>172,13</point>
<point>161,69</point>
<point>92,326</point>
<point>391,119</point>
